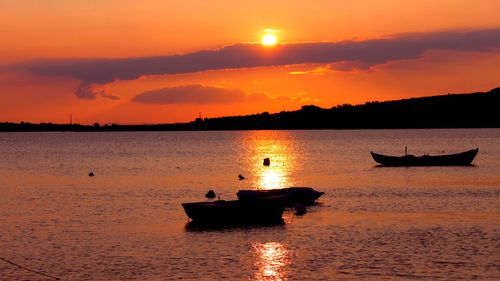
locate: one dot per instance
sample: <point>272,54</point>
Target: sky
<point>143,62</point>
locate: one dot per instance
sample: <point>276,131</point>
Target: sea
<point>127,223</point>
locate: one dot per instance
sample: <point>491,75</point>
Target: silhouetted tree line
<point>475,110</point>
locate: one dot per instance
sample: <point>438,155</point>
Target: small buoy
<point>267,162</point>
<point>91,174</point>
<point>210,194</point>
<point>241,177</point>
<point>300,209</point>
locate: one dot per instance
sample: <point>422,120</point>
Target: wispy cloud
<point>364,53</point>
<point>321,70</point>
<point>90,92</point>
<point>197,94</point>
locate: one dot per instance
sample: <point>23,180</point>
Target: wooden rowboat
<point>458,159</point>
<point>220,212</point>
<point>293,195</point>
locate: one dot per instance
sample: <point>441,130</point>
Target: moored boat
<point>260,211</point>
<point>293,195</point>
<point>458,159</point>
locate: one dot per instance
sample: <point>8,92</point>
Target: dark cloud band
<point>244,55</point>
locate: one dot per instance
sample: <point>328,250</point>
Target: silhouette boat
<point>221,212</point>
<point>458,159</point>
<point>292,195</point>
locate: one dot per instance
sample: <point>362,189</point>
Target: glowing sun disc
<point>269,40</point>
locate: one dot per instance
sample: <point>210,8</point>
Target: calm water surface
<point>127,223</point>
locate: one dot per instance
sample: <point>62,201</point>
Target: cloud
<point>109,96</point>
<point>244,55</point>
<point>350,66</point>
<point>197,94</point>
<point>90,92</point>
<point>345,66</point>
<point>257,97</point>
<point>300,97</point>
<point>321,70</point>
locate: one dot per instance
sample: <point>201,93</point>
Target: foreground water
<point>126,223</point>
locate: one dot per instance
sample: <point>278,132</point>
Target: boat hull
<point>459,159</point>
<point>293,195</point>
<point>236,212</point>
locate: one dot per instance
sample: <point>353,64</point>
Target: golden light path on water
<point>272,261</point>
<point>282,152</point>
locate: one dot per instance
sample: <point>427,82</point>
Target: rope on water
<point>31,270</point>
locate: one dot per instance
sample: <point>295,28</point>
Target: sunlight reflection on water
<point>272,261</point>
<point>280,148</point>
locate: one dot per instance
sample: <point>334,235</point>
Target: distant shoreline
<point>452,111</point>
<point>126,128</point>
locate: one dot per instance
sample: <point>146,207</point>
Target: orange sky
<point>123,29</point>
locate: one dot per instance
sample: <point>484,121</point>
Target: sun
<point>269,40</point>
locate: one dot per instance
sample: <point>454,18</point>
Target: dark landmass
<point>475,110</point>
